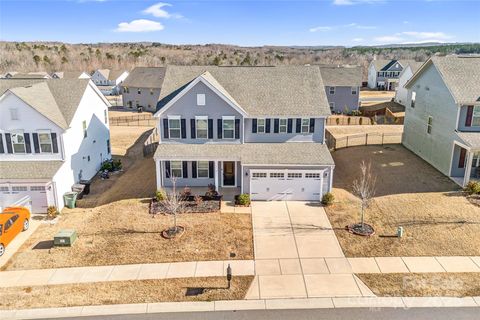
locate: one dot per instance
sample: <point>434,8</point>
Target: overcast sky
<point>250,23</point>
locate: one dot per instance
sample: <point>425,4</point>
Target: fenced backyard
<point>140,120</point>
<point>341,120</point>
<point>337,141</point>
<point>151,143</point>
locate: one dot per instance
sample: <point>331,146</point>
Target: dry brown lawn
<point>437,218</point>
<point>423,284</point>
<point>124,233</point>
<point>123,292</point>
<point>376,94</point>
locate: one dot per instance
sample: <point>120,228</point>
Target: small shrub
<point>198,200</point>
<point>473,187</point>
<point>117,164</point>
<point>52,212</point>
<point>211,191</point>
<point>187,192</point>
<point>107,165</point>
<point>243,199</point>
<point>328,199</point>
<point>160,195</point>
<point>111,165</point>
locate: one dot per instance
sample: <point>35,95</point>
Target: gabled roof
<point>145,77</point>
<point>383,65</point>
<point>471,139</point>
<point>260,91</point>
<point>57,100</point>
<point>461,75</point>
<point>68,74</point>
<point>339,76</point>
<point>31,75</point>
<point>110,74</point>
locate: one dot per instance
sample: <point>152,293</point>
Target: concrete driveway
<point>297,254</point>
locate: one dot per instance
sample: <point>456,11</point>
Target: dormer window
<point>13,114</point>
<point>200,99</point>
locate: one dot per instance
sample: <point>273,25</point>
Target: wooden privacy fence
<point>348,121</point>
<point>151,143</point>
<point>362,139</point>
<point>141,120</point>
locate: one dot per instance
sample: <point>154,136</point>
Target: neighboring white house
<point>442,121</point>
<point>383,74</point>
<point>401,93</point>
<point>70,75</point>
<point>109,81</point>
<point>53,133</point>
<point>28,75</point>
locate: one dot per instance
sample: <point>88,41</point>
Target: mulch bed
<point>205,206</point>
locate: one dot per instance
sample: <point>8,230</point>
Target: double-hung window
<point>45,140</point>
<point>174,127</point>
<point>476,116</point>
<point>18,142</point>
<point>282,125</point>
<point>202,169</point>
<point>260,125</point>
<point>331,90</point>
<point>202,127</point>
<point>305,125</point>
<point>429,124</point>
<point>412,102</point>
<point>176,169</point>
<point>354,90</point>
<point>228,125</point>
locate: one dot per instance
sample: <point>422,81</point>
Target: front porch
<point>465,164</point>
<point>227,193</point>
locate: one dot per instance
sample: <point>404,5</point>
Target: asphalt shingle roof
<point>145,77</point>
<point>382,65</point>
<point>260,91</point>
<point>57,100</point>
<point>29,169</point>
<point>288,153</point>
<point>472,139</point>
<point>335,76</point>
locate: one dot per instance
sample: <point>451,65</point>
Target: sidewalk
<point>318,303</point>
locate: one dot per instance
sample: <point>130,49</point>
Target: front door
<point>228,173</point>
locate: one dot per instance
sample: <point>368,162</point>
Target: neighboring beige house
<point>142,87</point>
<point>401,92</point>
<point>442,121</point>
<point>109,81</point>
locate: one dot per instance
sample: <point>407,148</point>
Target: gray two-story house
<point>442,120</point>
<point>257,129</point>
<point>384,74</point>
<point>141,89</point>
<point>342,87</point>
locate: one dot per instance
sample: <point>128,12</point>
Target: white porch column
<point>215,170</point>
<point>158,171</point>
<point>468,168</point>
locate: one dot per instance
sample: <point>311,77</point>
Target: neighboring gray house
<point>142,87</point>
<point>342,86</point>
<point>401,93</point>
<point>383,74</point>
<point>258,129</point>
<point>442,122</point>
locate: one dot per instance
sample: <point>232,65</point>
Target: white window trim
<point>473,116</point>
<point>49,133</point>
<point>198,170</point>
<point>302,125</point>
<point>280,125</point>
<point>172,117</point>
<point>429,124</point>
<point>354,90</point>
<point>197,118</point>
<point>181,169</point>
<point>228,118</point>
<point>201,99</point>
<point>330,90</point>
<point>264,125</point>
<point>18,132</point>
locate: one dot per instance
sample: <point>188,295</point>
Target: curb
<point>234,305</point>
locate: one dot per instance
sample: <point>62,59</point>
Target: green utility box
<point>70,198</point>
<point>65,238</point>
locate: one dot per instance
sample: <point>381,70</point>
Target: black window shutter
<point>183,126</point>
<point>267,125</point>
<point>185,169</point>
<point>28,146</point>
<point>210,169</point>
<point>298,127</point>
<point>192,128</point>
<point>219,129</point>
<point>36,144</point>
<point>165,129</point>
<point>289,125</point>
<point>210,128</point>
<point>312,125</point>
<point>276,125</point>
<point>167,169</point>
<point>254,125</point>
<point>194,169</point>
<point>2,150</point>
<point>54,142</point>
<point>8,139</point>
<point>237,128</point>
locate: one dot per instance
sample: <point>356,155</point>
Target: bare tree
<point>364,188</point>
<point>174,203</point>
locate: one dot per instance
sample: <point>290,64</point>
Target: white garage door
<point>37,194</point>
<point>303,185</point>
